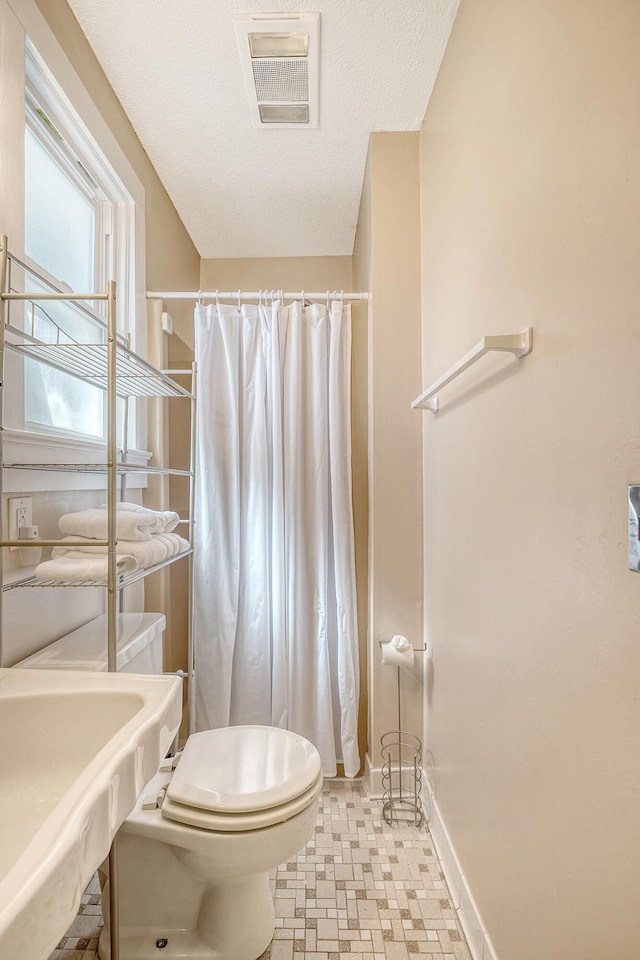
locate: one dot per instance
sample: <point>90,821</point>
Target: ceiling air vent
<point>279,55</point>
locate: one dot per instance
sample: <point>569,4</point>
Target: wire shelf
<point>124,580</point>
<point>88,362</point>
<point>96,468</point>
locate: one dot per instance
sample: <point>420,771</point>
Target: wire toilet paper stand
<point>402,770</point>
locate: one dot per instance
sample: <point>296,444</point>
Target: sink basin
<point>77,750</point>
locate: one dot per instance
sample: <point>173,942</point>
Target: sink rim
<point>88,767</point>
<point>86,817</point>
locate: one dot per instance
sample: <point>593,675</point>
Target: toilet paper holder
<point>401,768</point>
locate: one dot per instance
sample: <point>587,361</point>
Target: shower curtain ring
<point>327,301</point>
<point>342,298</point>
<point>217,299</point>
<point>200,299</point>
<point>239,304</point>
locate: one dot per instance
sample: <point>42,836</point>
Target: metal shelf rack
<point>114,368</point>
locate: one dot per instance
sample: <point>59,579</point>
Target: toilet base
<point>234,922</point>
<point>195,894</point>
<point>182,945</point>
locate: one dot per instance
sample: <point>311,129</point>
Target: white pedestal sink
<point>77,749</point>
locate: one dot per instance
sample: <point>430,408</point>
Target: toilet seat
<point>239,822</point>
<point>243,778</point>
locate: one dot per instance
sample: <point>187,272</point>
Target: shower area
<point>275,602</point>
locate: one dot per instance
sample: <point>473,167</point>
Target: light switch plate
<point>634,526</point>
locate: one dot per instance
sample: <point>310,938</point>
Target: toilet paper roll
<point>397,652</point>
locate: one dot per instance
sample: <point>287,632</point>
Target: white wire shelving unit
<point>110,366</point>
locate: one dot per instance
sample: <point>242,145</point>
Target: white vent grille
<point>279,55</point>
<point>281,81</point>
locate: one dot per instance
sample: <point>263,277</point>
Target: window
<point>61,214</point>
<point>61,220</point>
<point>78,231</point>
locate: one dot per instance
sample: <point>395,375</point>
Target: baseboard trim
<point>372,779</point>
<point>478,939</point>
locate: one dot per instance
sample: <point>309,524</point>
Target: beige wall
<point>279,273</point>
<point>387,262</point>
<point>181,358</point>
<point>530,176</point>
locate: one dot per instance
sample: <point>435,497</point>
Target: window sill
<point>23,446</point>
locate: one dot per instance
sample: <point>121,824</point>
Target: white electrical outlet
<point>20,515</point>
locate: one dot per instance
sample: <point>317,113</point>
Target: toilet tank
<point>139,646</point>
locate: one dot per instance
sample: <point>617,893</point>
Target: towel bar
<point>519,344</point>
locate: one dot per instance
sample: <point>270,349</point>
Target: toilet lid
<point>242,822</point>
<point>243,769</point>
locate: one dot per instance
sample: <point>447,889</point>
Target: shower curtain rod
<point>245,295</point>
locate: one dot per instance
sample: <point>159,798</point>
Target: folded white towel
<point>131,524</point>
<point>174,543</point>
<point>145,553</point>
<point>70,568</point>
<point>166,520</point>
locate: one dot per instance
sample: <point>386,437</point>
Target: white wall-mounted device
<point>279,54</point>
<point>634,526</point>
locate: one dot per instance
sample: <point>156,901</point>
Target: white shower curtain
<point>275,596</point>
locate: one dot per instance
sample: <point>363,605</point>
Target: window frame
<point>120,251</point>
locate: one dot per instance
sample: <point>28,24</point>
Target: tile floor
<point>361,890</point>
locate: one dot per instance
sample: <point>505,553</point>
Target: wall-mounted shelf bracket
<point>519,344</point>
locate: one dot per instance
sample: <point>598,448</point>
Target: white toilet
<point>193,855</point>
<point>192,872</point>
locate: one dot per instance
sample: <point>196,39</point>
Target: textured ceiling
<point>243,192</point>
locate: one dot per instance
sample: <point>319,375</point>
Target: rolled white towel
<point>166,520</point>
<point>82,567</point>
